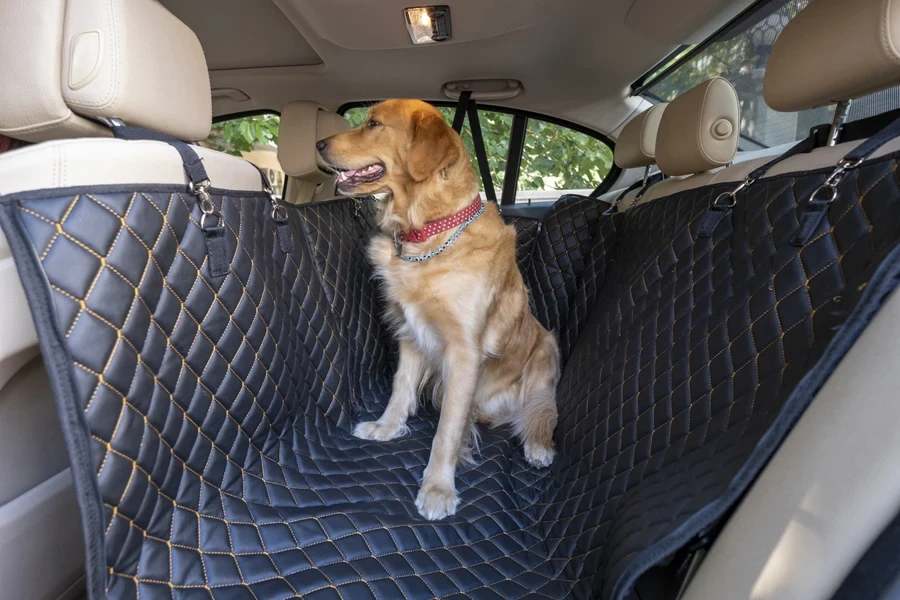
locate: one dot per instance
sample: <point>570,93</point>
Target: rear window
<point>739,54</point>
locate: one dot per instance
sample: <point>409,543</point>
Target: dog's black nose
<point>321,145</point>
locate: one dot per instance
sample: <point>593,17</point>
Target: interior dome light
<point>427,24</point>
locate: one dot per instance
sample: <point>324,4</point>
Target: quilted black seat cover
<point>208,418</point>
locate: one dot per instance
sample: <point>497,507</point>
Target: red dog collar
<point>441,225</point>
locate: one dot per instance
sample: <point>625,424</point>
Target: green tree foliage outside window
<point>554,158</point>
<point>244,134</point>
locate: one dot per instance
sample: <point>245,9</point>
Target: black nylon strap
<point>279,216</point>
<point>817,207</point>
<point>864,150</point>
<point>193,166</point>
<point>461,106</point>
<point>480,152</point>
<point>717,212</point>
<point>808,144</point>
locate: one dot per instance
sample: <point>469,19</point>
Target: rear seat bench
<point>208,417</point>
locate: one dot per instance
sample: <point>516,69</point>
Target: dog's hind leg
<point>408,380</point>
<point>536,421</point>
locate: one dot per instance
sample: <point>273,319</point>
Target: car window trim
<point>641,84</point>
<point>514,159</point>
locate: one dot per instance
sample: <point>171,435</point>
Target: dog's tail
<point>536,419</point>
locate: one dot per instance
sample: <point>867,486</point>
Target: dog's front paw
<point>380,432</point>
<point>436,501</point>
<point>539,456</point>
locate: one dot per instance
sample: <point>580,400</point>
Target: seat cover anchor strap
<point>724,203</point>
<point>279,216</point>
<point>820,201</point>
<point>211,223</point>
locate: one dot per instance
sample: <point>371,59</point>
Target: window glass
<point>740,56</point>
<point>254,138</point>
<point>495,128</point>
<point>558,160</point>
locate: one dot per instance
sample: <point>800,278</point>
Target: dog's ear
<point>432,147</point>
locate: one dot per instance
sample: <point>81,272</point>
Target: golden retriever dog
<point>460,310</point>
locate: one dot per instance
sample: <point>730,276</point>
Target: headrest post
<point>841,110</point>
<point>646,175</point>
<point>111,122</point>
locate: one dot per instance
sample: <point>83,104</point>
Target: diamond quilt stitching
<point>219,409</point>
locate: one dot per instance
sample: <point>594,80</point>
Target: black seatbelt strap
<point>724,203</point>
<point>480,152</point>
<point>821,199</point>
<point>461,106</point>
<point>514,159</point>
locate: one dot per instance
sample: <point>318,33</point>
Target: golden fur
<point>462,318</point>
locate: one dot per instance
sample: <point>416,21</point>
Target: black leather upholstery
<point>218,410</point>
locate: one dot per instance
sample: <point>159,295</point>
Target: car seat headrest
<point>699,130</point>
<point>66,63</point>
<point>302,125</point>
<point>636,146</point>
<point>834,50</point>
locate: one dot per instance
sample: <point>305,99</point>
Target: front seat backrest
<point>64,64</point>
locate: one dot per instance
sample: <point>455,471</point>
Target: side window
<point>558,160</point>
<point>255,138</point>
<point>356,115</point>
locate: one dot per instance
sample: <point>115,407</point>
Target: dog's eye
<point>373,123</point>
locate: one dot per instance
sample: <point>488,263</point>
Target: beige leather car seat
<point>636,149</point>
<point>65,64</point>
<point>698,132</point>
<point>302,125</point>
<point>833,485</point>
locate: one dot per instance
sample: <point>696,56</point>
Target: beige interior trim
<point>18,338</point>
<point>829,490</point>
<point>305,192</point>
<point>817,159</point>
<point>673,185</point>
<point>112,161</point>
<point>39,530</point>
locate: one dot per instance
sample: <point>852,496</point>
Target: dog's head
<point>404,149</point>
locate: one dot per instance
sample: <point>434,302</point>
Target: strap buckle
<point>717,204</point>
<point>279,212</point>
<point>201,191</point>
<point>832,181</point>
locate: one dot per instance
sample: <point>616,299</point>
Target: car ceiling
<point>575,58</point>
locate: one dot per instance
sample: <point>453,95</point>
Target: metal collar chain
<point>444,246</point>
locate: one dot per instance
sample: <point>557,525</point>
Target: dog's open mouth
<point>354,177</point>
